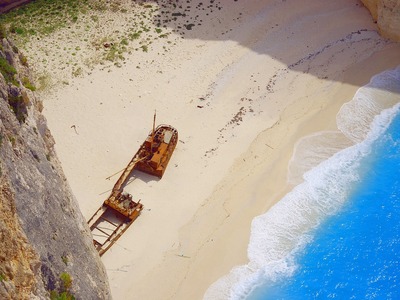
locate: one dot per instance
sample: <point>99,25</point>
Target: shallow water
<point>344,220</point>
<point>354,254</point>
<point>336,234</point>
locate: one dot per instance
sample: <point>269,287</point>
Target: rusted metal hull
<point>155,153</point>
<point>107,226</point>
<point>119,211</point>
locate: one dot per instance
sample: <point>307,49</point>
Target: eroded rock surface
<point>42,232</point>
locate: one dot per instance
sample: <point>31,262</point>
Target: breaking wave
<point>328,171</point>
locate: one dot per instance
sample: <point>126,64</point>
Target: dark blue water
<point>355,253</point>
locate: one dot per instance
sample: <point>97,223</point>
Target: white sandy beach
<point>242,89</point>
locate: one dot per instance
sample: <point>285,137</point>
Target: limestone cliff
<point>45,243</point>
<point>387,15</point>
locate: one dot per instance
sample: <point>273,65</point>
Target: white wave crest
<point>355,117</point>
<point>280,233</point>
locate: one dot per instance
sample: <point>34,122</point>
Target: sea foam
<point>278,235</point>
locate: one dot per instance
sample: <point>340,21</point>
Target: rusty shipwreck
<point>119,210</point>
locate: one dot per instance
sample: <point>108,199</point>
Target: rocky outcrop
<point>46,246</point>
<point>18,260</point>
<point>386,13</point>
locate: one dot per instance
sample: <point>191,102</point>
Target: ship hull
<point>155,153</point>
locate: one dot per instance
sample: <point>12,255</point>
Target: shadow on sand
<point>315,37</point>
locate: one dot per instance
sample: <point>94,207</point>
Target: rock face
<point>45,242</point>
<point>387,15</point>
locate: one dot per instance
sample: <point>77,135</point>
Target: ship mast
<point>152,134</point>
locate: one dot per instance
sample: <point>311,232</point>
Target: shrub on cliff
<point>8,71</point>
<point>66,282</point>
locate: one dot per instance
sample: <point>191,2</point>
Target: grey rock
<point>45,209</point>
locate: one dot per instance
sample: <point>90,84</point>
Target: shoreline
<point>267,191</point>
<point>239,110</point>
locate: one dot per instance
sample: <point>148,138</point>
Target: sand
<point>242,86</point>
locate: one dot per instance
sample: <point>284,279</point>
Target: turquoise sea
<point>352,248</point>
<point>336,235</point>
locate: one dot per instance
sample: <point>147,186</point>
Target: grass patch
<point>64,293</point>
<point>8,71</point>
<point>66,280</point>
<point>114,53</point>
<point>94,18</point>
<point>77,72</point>
<point>44,81</point>
<point>42,17</point>
<point>80,22</point>
<point>26,83</point>
<point>135,36</point>
<point>145,48</point>
<point>54,295</point>
<point>23,60</point>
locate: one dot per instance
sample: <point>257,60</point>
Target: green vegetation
<point>94,18</point>
<point>26,83</point>
<point>145,48</point>
<point>18,105</point>
<point>64,293</point>
<point>42,17</point>
<point>66,280</point>
<point>54,295</point>
<point>23,60</point>
<point>114,53</point>
<point>8,71</point>
<point>2,277</point>
<point>44,81</point>
<point>78,28</point>
<point>77,72</point>
<point>135,36</point>
<point>124,42</point>
<point>64,258</point>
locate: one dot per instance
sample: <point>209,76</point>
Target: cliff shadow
<point>314,37</point>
